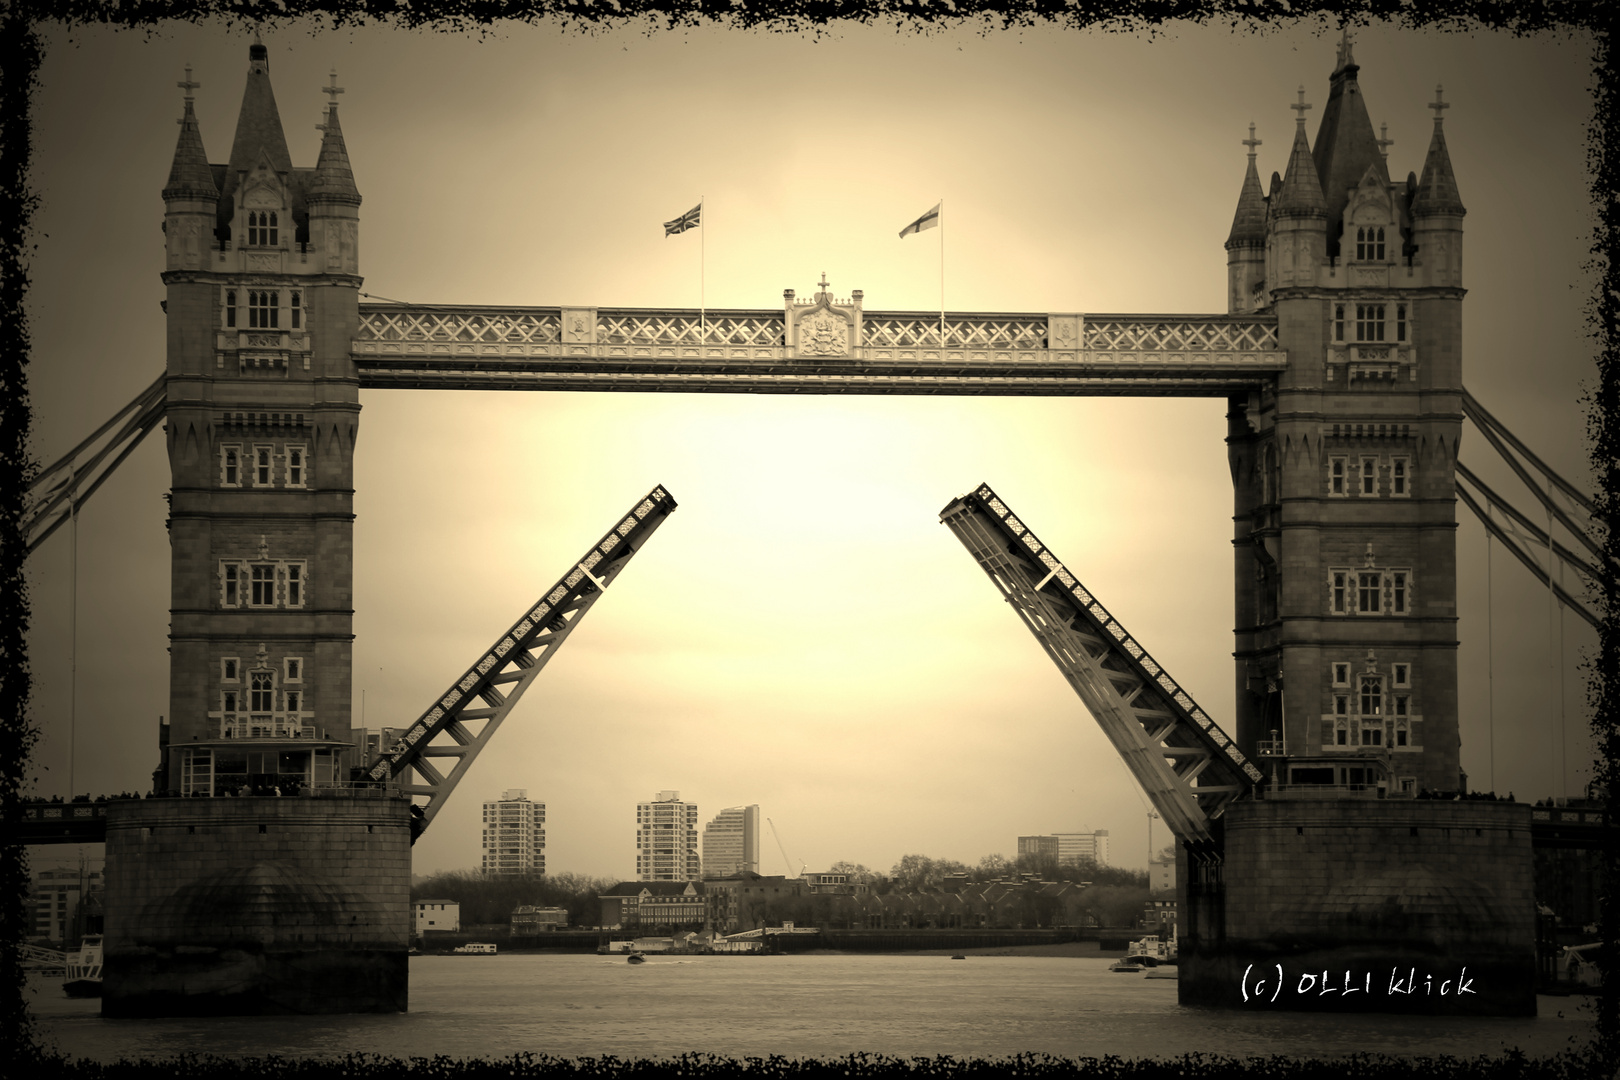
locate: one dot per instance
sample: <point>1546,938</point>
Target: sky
<point>802,633</point>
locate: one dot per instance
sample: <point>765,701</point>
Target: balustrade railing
<point>265,727</point>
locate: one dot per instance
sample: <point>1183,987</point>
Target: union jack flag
<point>689,220</point>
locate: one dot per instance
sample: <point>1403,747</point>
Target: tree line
<point>490,898</point>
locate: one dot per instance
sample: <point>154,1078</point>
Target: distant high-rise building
<point>667,839</point>
<point>1077,847</point>
<point>514,834</point>
<point>1038,847</point>
<point>731,842</point>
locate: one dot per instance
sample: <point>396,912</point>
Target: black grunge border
<point>20,56</point>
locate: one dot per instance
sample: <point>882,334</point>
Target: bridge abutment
<point>255,905</point>
<point>1378,905</point>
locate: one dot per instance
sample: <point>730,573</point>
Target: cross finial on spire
<point>1300,106</point>
<point>1384,141</point>
<point>188,86</point>
<point>1345,59</point>
<point>334,90</point>
<point>1251,142</point>
<point>824,281</point>
<point>1439,104</point>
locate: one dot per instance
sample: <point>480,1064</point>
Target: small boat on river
<point>636,958</point>
<point>1125,966</point>
<point>83,969</point>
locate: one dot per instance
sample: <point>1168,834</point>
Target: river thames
<point>797,1006</point>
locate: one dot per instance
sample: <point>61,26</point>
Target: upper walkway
<point>824,346</point>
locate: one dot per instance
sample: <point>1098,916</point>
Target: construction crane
<point>786,861</point>
<point>505,670</point>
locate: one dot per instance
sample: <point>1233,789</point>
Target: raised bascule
<point>1304,844</point>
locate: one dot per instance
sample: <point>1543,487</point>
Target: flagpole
<point>703,262</point>
<point>942,277</point>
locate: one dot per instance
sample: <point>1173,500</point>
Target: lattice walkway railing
<point>540,331</point>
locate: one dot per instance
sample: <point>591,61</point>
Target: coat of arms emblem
<point>824,334</point>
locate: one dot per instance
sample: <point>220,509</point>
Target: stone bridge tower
<point>1344,523</point>
<point>263,282</point>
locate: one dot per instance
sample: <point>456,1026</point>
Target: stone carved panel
<point>264,262</point>
<point>825,333</point>
<point>1063,332</point>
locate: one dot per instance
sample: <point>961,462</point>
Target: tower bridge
<point>1340,357</point>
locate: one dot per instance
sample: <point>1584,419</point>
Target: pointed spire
<point>1301,194</point>
<point>1249,223</point>
<point>258,125</point>
<point>1345,142</point>
<point>189,175</point>
<point>334,179</point>
<point>1437,189</point>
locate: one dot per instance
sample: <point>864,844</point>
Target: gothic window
<point>264,309</point>
<point>295,584</point>
<point>297,313</point>
<point>292,701</point>
<point>1400,322</point>
<point>227,669</point>
<point>1398,589</point>
<point>1372,695</point>
<point>295,466</point>
<point>1341,674</point>
<point>1338,322</point>
<point>263,693</point>
<point>231,585</point>
<point>1341,732</point>
<point>1403,734</point>
<point>1370,243</point>
<point>262,459</point>
<point>1336,471</point>
<point>1372,734</point>
<point>1369,476</point>
<point>230,307</point>
<point>230,466</point>
<point>1369,592</point>
<point>1402,674</point>
<point>263,585</point>
<point>263,228</point>
<point>1341,591</point>
<point>1398,477</point>
<point>293,669</point>
<point>227,701</point>
<point>1369,322</point>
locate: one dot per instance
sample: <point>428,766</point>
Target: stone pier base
<point>257,905</point>
<point>1387,905</point>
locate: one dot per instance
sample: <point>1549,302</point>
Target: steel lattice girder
<point>499,678</point>
<point>1187,765</point>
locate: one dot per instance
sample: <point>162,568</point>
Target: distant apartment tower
<point>731,842</point>
<point>1040,848</point>
<point>667,839</point>
<point>1077,847</point>
<point>514,834</point>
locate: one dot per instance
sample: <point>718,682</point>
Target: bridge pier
<point>257,905</point>
<point>1378,905</point>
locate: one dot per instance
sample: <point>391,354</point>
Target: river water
<point>809,1006</point>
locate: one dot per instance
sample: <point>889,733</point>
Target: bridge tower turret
<point>1343,477</point>
<point>262,294</point>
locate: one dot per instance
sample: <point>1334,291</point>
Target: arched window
<point>262,693</point>
<point>263,229</point>
<point>1370,242</point>
<point>230,307</point>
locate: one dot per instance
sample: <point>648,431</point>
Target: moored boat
<point>636,958</point>
<point>1125,966</point>
<point>84,969</point>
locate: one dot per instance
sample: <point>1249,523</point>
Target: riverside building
<point>514,834</point>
